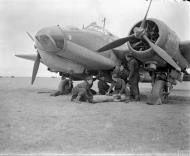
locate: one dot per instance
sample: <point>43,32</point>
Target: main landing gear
<point>161,87</point>
<point>159,93</point>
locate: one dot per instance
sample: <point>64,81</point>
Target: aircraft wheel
<point>159,89</point>
<point>158,93</point>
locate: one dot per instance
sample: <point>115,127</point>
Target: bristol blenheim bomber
<point>76,53</point>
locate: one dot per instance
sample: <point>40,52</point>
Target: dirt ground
<point>33,122</point>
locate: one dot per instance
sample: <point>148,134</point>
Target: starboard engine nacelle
<point>160,34</point>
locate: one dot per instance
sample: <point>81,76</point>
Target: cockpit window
<point>71,28</point>
<point>94,27</point>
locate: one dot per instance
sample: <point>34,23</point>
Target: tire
<point>158,90</point>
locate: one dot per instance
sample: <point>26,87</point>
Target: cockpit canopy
<point>94,27</point>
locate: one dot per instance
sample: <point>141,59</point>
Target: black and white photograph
<point>95,77</point>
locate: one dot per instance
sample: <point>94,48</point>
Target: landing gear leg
<point>158,93</point>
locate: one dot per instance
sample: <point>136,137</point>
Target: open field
<point>33,122</point>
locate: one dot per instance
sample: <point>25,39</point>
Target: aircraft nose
<point>50,39</point>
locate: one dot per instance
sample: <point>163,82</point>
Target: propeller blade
<point>30,36</point>
<point>116,43</point>
<point>144,20</point>
<point>163,54</point>
<point>35,68</point>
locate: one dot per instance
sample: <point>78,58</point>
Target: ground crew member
<point>121,72</point>
<point>64,88</point>
<point>118,85</point>
<point>92,90</point>
<point>133,78</point>
<point>102,86</point>
<point>82,91</point>
<point>116,71</point>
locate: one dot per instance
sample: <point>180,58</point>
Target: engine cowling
<point>160,34</point>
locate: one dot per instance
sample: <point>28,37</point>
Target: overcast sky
<point>19,16</point>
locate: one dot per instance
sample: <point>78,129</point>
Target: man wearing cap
<point>116,70</point>
<point>133,78</point>
<point>102,86</point>
<point>82,91</point>
<point>121,72</point>
<point>118,85</point>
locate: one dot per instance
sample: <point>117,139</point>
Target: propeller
<point>30,36</point>
<point>35,68</point>
<point>122,41</point>
<point>139,33</point>
<point>116,43</point>
<point>36,63</point>
<point>144,20</point>
<point>162,53</point>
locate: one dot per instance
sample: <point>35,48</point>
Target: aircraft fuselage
<point>73,49</point>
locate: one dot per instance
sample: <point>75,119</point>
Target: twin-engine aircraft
<point>76,53</point>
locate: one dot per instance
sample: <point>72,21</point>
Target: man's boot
<point>57,93</point>
<point>77,100</point>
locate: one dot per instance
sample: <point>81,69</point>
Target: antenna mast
<point>104,22</point>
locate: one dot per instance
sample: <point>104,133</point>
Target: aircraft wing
<point>185,50</point>
<point>121,51</point>
<point>31,57</point>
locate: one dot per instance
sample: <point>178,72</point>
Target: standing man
<point>133,78</point>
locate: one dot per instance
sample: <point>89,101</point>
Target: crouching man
<point>119,87</point>
<point>102,86</point>
<point>82,91</point>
